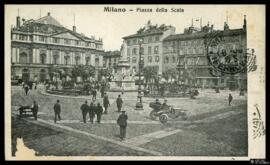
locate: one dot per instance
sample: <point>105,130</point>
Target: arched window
<point>87,60</point>
<point>43,58</point>
<point>67,60</point>
<point>166,60</point>
<point>23,58</point>
<point>173,59</point>
<point>77,60</point>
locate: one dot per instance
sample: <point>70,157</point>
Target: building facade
<point>188,51</point>
<point>38,45</point>
<point>111,59</point>
<point>151,47</point>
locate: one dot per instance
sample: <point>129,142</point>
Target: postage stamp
<point>135,82</point>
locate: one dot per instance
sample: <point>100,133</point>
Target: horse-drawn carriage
<point>164,112</point>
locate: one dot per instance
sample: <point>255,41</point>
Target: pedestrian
<point>34,108</point>
<point>98,112</point>
<point>36,86</point>
<point>102,90</point>
<point>106,102</point>
<point>94,93</point>
<point>31,85</point>
<point>98,86</point>
<point>122,122</point>
<point>57,111</point>
<point>119,103</point>
<point>230,99</point>
<point>84,109</point>
<point>91,111</point>
<point>26,88</point>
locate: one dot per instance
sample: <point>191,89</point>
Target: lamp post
<point>139,105</point>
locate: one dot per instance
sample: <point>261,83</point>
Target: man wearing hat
<point>119,103</point>
<point>84,109</point>
<point>122,122</point>
<point>106,102</point>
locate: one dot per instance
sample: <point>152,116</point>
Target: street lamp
<point>139,105</point>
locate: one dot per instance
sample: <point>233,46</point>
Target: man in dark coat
<point>84,109</point>
<point>34,108</point>
<point>102,89</point>
<point>91,111</point>
<point>57,111</point>
<point>122,122</point>
<point>230,99</point>
<point>26,88</point>
<point>119,103</point>
<point>106,103</point>
<point>98,111</point>
<point>94,92</point>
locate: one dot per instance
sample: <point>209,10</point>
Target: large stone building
<point>38,45</point>
<point>151,47</point>
<point>189,51</point>
<point>111,59</point>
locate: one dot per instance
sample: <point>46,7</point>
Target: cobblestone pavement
<point>209,107</point>
<point>49,142</point>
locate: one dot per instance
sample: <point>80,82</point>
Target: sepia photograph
<point>134,82</point>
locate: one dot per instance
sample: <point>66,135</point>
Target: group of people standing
<point>29,86</point>
<point>97,110</point>
<point>93,110</point>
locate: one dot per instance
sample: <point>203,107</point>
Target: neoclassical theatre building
<point>38,45</point>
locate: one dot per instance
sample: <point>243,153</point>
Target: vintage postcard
<point>135,82</point>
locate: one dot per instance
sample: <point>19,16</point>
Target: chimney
<point>18,22</point>
<point>74,28</point>
<point>245,23</point>
<point>49,13</point>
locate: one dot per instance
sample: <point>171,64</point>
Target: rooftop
<point>49,25</point>
<point>200,34</point>
<point>149,29</point>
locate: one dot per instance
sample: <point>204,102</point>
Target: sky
<point>111,26</point>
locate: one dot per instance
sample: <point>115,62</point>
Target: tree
<point>53,71</point>
<point>170,73</point>
<point>149,72</point>
<point>82,71</point>
<point>105,72</point>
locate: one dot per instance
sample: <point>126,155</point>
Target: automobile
<point>165,112</point>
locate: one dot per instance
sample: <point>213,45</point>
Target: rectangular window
<point>128,42</point>
<point>134,51</point>
<point>56,40</point>
<point>157,38</point>
<point>182,43</point>
<point>150,59</point>
<point>128,59</point>
<point>150,39</point>
<point>134,59</point>
<point>128,51</point>
<point>157,59</point>
<point>77,42</point>
<point>142,50</point>
<point>134,41</point>
<point>66,41</point>
<point>149,50</point>
<point>41,38</point>
<point>156,50</point>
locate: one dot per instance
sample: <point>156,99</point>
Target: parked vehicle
<point>166,112</point>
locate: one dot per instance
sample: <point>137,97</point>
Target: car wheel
<point>163,118</point>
